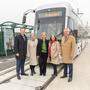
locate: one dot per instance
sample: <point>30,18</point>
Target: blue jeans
<point>68,70</point>
<point>20,66</point>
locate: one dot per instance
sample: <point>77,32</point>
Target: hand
<point>37,57</point>
<point>72,57</point>
<point>17,54</point>
<point>60,57</point>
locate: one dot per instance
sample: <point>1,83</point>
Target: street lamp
<point>25,13</point>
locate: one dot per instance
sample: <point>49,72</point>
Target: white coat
<point>31,51</point>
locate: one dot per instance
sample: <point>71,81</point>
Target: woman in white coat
<point>31,53</point>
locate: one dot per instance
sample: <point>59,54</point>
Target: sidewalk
<point>26,82</point>
<point>81,77</point>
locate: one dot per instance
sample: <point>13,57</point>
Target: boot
<point>18,77</point>
<point>34,71</point>
<point>31,73</point>
<point>70,79</point>
<point>31,70</point>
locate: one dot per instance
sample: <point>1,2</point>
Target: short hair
<point>66,29</point>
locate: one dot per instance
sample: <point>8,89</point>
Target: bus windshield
<point>50,21</point>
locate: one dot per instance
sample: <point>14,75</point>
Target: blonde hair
<point>43,34</point>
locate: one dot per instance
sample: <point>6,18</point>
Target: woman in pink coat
<point>54,53</point>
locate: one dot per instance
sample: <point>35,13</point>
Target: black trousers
<point>68,70</point>
<point>42,63</point>
<point>32,68</point>
<point>20,66</point>
<point>54,69</point>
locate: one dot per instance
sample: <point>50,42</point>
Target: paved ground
<point>7,63</point>
<point>6,57</point>
<point>81,78</point>
<point>26,82</point>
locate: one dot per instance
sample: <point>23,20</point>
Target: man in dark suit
<point>20,47</point>
<point>42,52</point>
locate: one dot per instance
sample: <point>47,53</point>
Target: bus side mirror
<point>24,19</point>
<point>38,24</point>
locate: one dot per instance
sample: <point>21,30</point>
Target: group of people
<point>38,51</point>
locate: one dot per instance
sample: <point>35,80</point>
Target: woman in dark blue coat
<point>42,52</point>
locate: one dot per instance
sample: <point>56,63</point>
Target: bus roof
<point>57,5</point>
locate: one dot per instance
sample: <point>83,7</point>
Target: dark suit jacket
<point>20,46</point>
<point>39,46</point>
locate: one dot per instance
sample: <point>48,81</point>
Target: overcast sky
<point>12,10</point>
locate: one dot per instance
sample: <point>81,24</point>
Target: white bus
<point>55,17</point>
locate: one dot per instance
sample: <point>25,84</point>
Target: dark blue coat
<point>20,46</point>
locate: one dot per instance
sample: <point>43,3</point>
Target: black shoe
<point>63,76</point>
<point>40,74</point>
<point>24,74</point>
<point>70,79</point>
<point>34,72</point>
<point>31,74</point>
<point>54,75</point>
<point>18,77</point>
